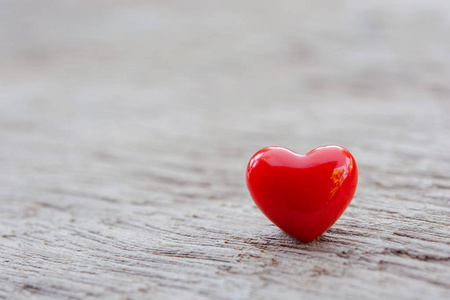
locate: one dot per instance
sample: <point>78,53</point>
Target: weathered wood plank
<point>126,127</point>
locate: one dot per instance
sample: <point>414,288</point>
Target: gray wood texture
<point>126,128</point>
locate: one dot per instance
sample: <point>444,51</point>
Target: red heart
<point>303,195</point>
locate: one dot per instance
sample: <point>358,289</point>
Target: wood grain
<point>126,127</point>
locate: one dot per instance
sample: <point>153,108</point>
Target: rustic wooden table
<point>126,127</point>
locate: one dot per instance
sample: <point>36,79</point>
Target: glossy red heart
<point>303,195</point>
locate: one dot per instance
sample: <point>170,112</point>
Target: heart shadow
<point>331,241</point>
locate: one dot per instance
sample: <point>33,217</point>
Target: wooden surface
<point>126,127</point>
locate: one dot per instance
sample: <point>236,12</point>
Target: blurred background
<point>120,74</point>
<point>168,81</point>
<point>173,81</point>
